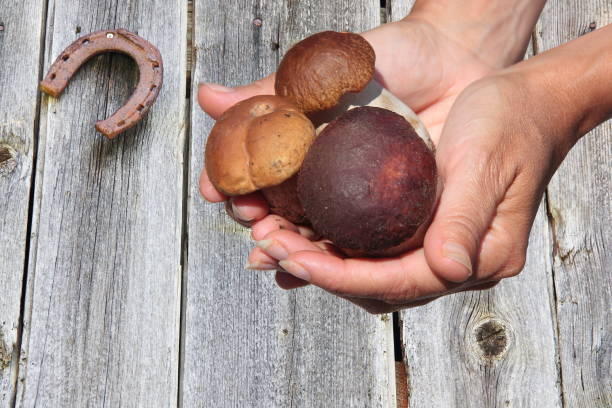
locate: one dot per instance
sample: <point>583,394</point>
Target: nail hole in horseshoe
<point>65,57</point>
<point>140,108</point>
<point>121,123</point>
<point>85,41</point>
<point>52,76</point>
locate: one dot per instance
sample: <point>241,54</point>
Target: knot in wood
<point>7,159</point>
<point>492,338</point>
<point>5,355</point>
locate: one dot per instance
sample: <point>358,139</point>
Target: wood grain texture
<point>581,218</point>
<point>246,341</point>
<point>485,349</point>
<point>103,289</point>
<point>399,9</point>
<point>336,339</point>
<point>493,348</point>
<point>21,25</point>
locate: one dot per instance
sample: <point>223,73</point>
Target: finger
<point>280,243</point>
<point>481,286</point>
<point>271,223</point>
<point>465,211</point>
<point>394,280</point>
<point>258,260</point>
<point>308,233</point>
<point>378,307</point>
<point>372,306</point>
<point>208,191</point>
<point>287,281</point>
<point>302,241</point>
<point>249,208</point>
<point>216,99</point>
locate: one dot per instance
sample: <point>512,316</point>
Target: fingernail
<point>295,269</point>
<point>260,266</point>
<point>238,214</point>
<point>217,87</point>
<point>273,248</point>
<point>459,254</point>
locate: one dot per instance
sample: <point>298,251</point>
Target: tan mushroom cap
<point>257,143</point>
<point>318,70</point>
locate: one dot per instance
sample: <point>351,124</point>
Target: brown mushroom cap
<point>318,70</point>
<point>257,143</point>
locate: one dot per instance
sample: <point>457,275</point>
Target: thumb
<point>465,211</point>
<point>216,99</point>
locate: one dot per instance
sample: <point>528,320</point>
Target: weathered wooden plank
<point>336,339</point>
<point>485,349</point>
<point>581,219</point>
<point>399,9</point>
<point>103,290</point>
<point>21,25</point>
<point>444,340</point>
<point>246,341</point>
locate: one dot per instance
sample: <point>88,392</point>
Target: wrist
<point>491,29</point>
<point>569,86</point>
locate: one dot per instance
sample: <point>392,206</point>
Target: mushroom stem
<point>283,200</point>
<point>375,95</point>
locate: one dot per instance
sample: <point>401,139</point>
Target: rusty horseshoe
<point>144,53</point>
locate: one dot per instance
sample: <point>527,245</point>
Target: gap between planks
<point>189,57</point>
<point>398,360</point>
<point>28,247</point>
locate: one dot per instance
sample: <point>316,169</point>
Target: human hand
<point>503,139</point>
<point>439,68</point>
<point>495,156</point>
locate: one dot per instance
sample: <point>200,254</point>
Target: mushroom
<point>368,183</point>
<point>329,73</point>
<point>328,76</point>
<point>318,70</point>
<point>258,144</point>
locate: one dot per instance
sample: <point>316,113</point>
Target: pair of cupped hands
<point>494,160</point>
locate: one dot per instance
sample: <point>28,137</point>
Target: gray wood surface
<point>246,341</point>
<point>135,289</point>
<point>21,25</point>
<point>581,217</point>
<point>102,311</point>
<point>484,349</point>
<point>398,9</point>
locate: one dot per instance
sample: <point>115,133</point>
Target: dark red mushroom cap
<point>368,181</point>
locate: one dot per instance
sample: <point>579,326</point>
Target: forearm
<point>573,85</point>
<point>498,31</point>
